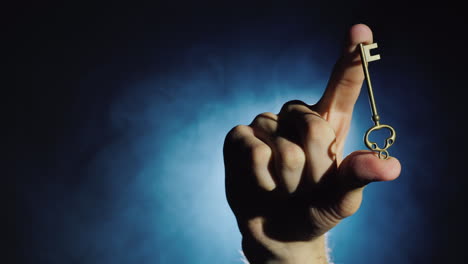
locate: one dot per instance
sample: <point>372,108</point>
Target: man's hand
<point>286,180</point>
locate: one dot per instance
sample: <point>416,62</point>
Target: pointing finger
<point>337,103</point>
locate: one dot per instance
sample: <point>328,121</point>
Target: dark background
<point>92,91</point>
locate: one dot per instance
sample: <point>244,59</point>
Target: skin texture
<point>286,180</point>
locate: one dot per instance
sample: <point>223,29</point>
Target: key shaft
<point>364,59</point>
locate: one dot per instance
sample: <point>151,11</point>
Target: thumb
<point>356,171</point>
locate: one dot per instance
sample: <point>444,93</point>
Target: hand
<point>286,180</point>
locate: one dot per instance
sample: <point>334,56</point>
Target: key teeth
<point>367,49</point>
<point>375,57</point>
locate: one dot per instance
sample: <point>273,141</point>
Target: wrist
<point>297,252</point>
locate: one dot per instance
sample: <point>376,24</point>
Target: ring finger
<point>289,158</point>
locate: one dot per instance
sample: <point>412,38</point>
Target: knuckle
<point>237,132</point>
<point>291,105</point>
<point>316,128</point>
<point>292,157</point>
<point>324,219</point>
<point>346,209</point>
<point>260,154</point>
<point>267,115</point>
<point>235,141</point>
<point>349,82</point>
<point>261,119</point>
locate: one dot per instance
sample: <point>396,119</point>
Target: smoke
<point>178,138</point>
<point>151,188</point>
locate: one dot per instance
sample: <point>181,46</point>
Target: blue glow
<point>182,168</point>
<point>153,191</point>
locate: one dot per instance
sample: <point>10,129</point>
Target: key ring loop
<point>383,154</point>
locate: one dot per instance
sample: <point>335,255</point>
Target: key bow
<point>383,153</point>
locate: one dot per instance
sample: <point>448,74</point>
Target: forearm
<point>310,252</point>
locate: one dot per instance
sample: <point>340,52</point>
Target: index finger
<point>337,103</point>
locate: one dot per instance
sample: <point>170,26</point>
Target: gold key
<point>366,57</point>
